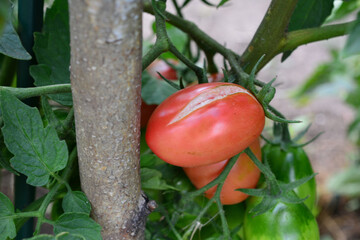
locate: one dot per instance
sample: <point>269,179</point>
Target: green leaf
<point>42,237</point>
<point>76,201</point>
<point>343,10</point>
<point>152,179</point>
<point>79,224</point>
<point>52,51</point>
<point>7,225</point>
<point>346,182</point>
<point>308,14</point>
<point>222,3</point>
<point>10,43</point>
<point>352,46</point>
<point>38,152</point>
<point>60,236</point>
<point>155,91</point>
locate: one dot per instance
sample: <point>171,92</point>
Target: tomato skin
<point>215,131</point>
<point>284,221</point>
<point>163,68</point>
<point>215,77</point>
<point>244,174</point>
<point>291,165</point>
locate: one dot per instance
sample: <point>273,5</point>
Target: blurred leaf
<point>352,46</point>
<point>343,9</point>
<point>10,43</point>
<point>346,182</point>
<point>153,90</point>
<point>78,224</point>
<point>7,225</point>
<point>222,3</point>
<point>76,201</point>
<point>38,152</point>
<point>152,179</point>
<point>308,14</point>
<point>52,51</point>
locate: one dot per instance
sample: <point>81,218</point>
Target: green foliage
<point>154,90</point>
<point>38,152</point>
<point>308,14</point>
<point>352,46</point>
<point>33,136</point>
<point>10,43</point>
<point>76,202</point>
<point>7,226</point>
<point>343,9</point>
<point>52,51</point>
<point>79,225</point>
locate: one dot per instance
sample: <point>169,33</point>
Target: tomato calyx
<point>282,137</point>
<point>271,198</point>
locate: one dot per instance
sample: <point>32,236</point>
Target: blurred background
<point>315,85</point>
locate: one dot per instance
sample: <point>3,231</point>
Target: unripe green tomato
<point>291,165</point>
<point>283,222</point>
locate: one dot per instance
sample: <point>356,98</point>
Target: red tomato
<point>215,77</point>
<point>163,68</point>
<point>204,124</point>
<point>244,174</point>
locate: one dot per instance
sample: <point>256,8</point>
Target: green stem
<point>204,41</point>
<point>23,93</point>
<point>224,223</point>
<point>198,71</point>
<point>304,36</point>
<point>219,179</point>
<point>269,34</point>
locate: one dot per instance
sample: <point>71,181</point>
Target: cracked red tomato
<point>244,174</point>
<point>204,124</point>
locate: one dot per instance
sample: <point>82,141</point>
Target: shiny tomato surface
<point>204,124</point>
<point>244,174</point>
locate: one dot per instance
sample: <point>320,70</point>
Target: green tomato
<point>284,221</point>
<point>291,165</point>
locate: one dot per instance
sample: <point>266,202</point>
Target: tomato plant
<point>292,164</point>
<point>244,174</point>
<point>204,124</point>
<point>283,221</point>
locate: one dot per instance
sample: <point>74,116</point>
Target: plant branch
<point>23,93</point>
<point>269,34</point>
<point>304,36</point>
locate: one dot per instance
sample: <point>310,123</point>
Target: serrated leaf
<point>10,43</point>
<point>154,91</point>
<point>352,46</point>
<point>79,224</point>
<point>7,225</point>
<point>52,51</point>
<point>308,14</point>
<point>76,201</point>
<point>38,152</point>
<point>152,179</point>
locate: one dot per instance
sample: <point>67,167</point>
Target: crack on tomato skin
<point>207,97</point>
